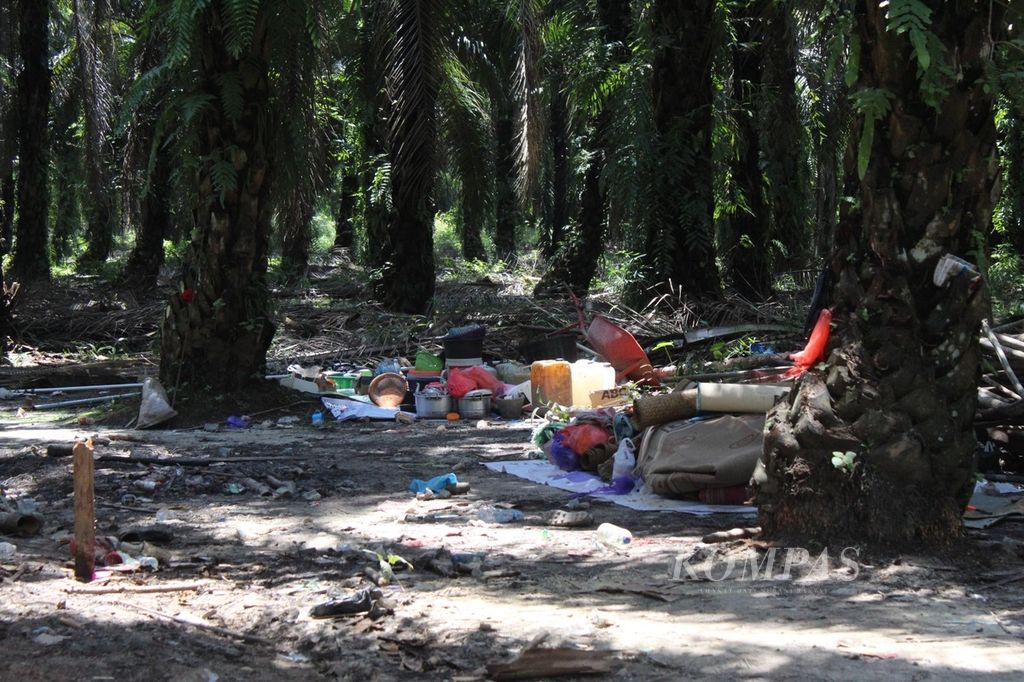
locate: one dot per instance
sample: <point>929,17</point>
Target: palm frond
<point>412,76</point>
<point>526,91</point>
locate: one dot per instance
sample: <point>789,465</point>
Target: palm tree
<point>749,225</point>
<point>8,125</point>
<point>31,261</point>
<point>680,244</point>
<point>95,59</point>
<point>575,262</point>
<point>900,388</point>
<point>218,325</point>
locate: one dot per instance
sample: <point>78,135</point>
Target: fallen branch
<point>139,589</point>
<point>204,626</point>
<point>1002,357</point>
<point>190,461</point>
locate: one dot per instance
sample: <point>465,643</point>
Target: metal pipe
<point>18,392</point>
<point>86,401</point>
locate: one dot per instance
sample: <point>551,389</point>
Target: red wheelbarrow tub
<point>620,348</point>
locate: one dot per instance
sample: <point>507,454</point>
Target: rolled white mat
<point>754,398</point>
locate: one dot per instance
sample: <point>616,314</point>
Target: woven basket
<point>661,409</point>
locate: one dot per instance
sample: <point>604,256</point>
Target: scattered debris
<point>538,663</point>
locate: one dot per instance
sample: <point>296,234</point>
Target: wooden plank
<point>85,512</point>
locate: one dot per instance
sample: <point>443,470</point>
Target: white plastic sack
<point>155,407</point>
<point>625,459</point>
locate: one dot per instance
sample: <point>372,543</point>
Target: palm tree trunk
<point>680,240</point>
<point>783,140</point>
<point>559,128</point>
<point>147,256</point>
<point>91,19</point>
<point>471,234</point>
<point>749,227</point>
<point>506,205</point>
<point>900,387</point>
<point>343,210</point>
<point>217,327</point>
<point>575,264</point>
<point>409,275</point>
<point>296,216</point>
<point>31,261</point>
<point>8,131</point>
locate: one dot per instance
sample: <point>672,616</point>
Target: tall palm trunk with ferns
<point>147,256</point>
<point>507,206</point>
<point>295,219</point>
<point>785,153</point>
<point>92,34</point>
<point>343,206</point>
<point>680,240</point>
<point>412,77</point>
<point>217,327</point>
<point>8,127</point>
<point>575,264</point>
<point>31,261</point>
<point>748,225</point>
<point>879,445</point>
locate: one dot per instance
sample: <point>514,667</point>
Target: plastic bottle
<point>495,515</point>
<point>613,536</point>
<point>318,418</point>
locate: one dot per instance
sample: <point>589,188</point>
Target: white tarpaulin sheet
<point>540,471</point>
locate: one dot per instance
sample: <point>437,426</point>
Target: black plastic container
<point>558,347</point>
<point>460,349</point>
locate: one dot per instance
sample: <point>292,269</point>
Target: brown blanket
<point>685,456</point>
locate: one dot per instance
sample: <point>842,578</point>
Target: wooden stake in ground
<point>85,512</point>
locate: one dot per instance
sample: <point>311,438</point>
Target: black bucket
<point>558,347</point>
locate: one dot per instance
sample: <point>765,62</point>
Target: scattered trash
<point>436,484</point>
<point>432,518</point>
<point>560,518</point>
<point>155,408</point>
<point>358,602</point>
<point>536,663</point>
<point>59,450</point>
<point>47,639</point>
<point>344,409</point>
<point>145,484</point>
<point>236,422</point>
<point>729,535</point>
<point>613,536</point>
<point>311,495</point>
<point>232,488</point>
<point>498,515</point>
<point>158,534</point>
<point>21,525</point>
<point>318,418</point>
<point>288,420</point>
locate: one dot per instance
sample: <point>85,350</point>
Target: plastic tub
<point>428,362</point>
<point>433,406</point>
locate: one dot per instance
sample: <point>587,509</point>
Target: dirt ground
<point>247,568</point>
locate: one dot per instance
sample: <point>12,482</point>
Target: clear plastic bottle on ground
<point>613,536</point>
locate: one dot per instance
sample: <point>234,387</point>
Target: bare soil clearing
<point>246,570</point>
